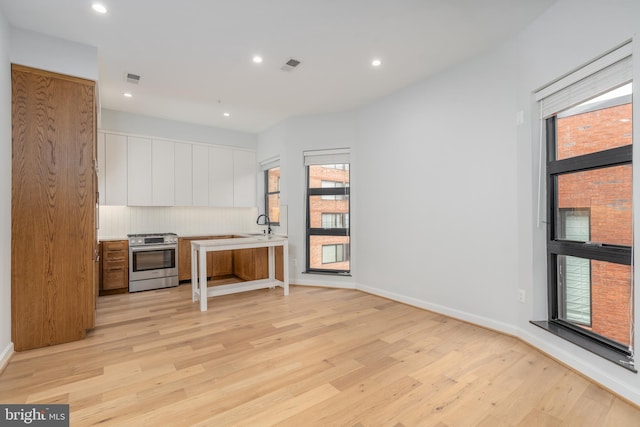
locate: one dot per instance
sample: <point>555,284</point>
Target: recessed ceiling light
<point>257,59</point>
<point>376,63</point>
<point>98,7</point>
<point>226,114</point>
<point>127,95</point>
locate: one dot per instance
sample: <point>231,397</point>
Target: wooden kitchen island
<point>199,249</point>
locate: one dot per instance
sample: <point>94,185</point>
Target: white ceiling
<point>194,56</point>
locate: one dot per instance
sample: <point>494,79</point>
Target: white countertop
<point>244,234</point>
<point>246,240</point>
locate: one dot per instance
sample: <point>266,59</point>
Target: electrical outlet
<point>295,262</point>
<point>522,296</point>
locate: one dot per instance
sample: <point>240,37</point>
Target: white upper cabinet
<point>140,171</point>
<point>102,166</point>
<point>244,178</point>
<point>139,161</point>
<point>183,174</point>
<point>162,173</point>
<point>200,175</point>
<point>115,169</point>
<point>220,177</point>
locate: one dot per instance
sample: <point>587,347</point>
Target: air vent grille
<point>132,78</point>
<point>290,64</point>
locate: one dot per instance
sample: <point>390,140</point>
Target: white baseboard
<point>317,280</point>
<point>5,356</point>
<point>440,309</point>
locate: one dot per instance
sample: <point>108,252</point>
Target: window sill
<point>328,273</point>
<point>587,343</point>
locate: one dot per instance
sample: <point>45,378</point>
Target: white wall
<point>53,54</point>
<point>436,223</point>
<point>6,346</point>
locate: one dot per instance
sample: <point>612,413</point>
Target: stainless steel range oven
<point>153,261</point>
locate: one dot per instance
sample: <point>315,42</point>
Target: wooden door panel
<point>53,208</point>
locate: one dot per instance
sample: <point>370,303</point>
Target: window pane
<point>273,201</point>
<point>596,296</point>
<point>596,125</point>
<point>328,176</point>
<point>599,199</point>
<point>574,278</point>
<point>574,224</point>
<point>319,205</point>
<point>329,253</point>
<point>273,180</point>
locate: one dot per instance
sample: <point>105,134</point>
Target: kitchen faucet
<point>267,222</point>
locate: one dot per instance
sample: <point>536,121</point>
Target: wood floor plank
<point>317,357</point>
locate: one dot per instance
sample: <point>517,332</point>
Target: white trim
<point>329,151</point>
<point>440,309</point>
<point>326,157</point>
<point>321,282</point>
<point>270,163</point>
<point>586,70</point>
<point>5,356</point>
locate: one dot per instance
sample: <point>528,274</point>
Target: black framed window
<point>590,230</point>
<point>328,205</point>
<point>272,194</point>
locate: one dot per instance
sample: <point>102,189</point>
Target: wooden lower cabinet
<point>247,264</point>
<point>253,264</point>
<point>115,265</point>
<point>218,263</point>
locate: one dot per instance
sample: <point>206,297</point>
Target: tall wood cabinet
<point>53,212</point>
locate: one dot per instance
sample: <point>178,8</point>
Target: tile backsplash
<point>118,221</point>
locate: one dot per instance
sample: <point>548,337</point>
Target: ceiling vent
<point>290,64</point>
<point>132,78</point>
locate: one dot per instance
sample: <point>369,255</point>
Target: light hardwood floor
<point>319,357</point>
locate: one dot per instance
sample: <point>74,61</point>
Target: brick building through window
<point>328,217</point>
<point>605,196</point>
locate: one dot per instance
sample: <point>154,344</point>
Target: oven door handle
<point>152,248</point>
